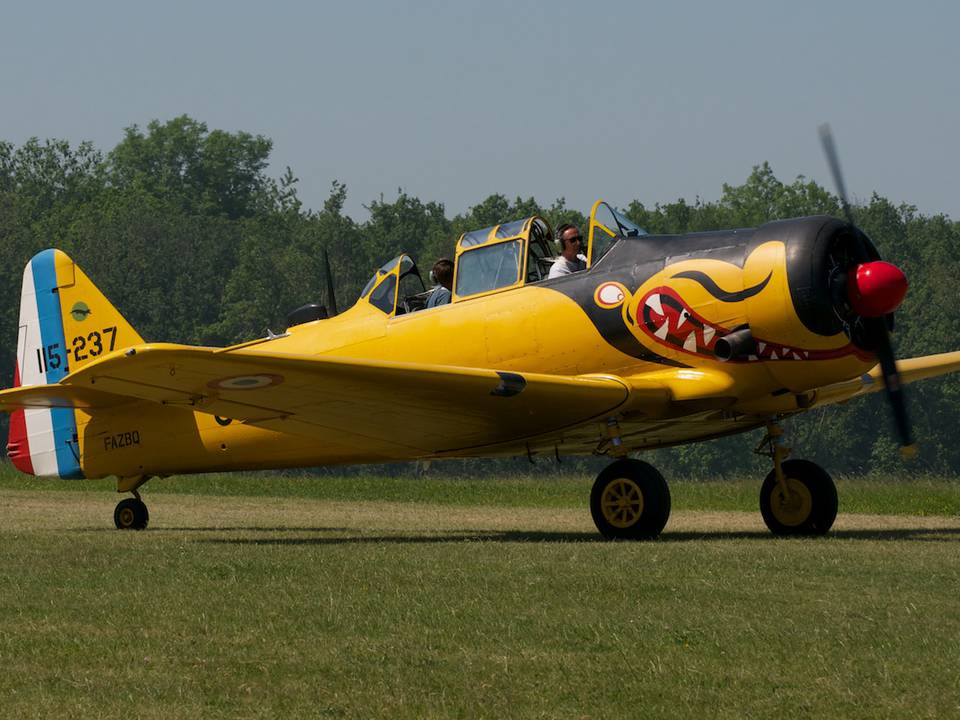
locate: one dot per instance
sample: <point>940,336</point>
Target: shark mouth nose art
<point>668,320</point>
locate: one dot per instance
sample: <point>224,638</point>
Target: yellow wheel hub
<point>126,517</point>
<point>622,503</point>
<point>794,508</point>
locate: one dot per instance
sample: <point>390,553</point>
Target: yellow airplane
<point>662,340</point>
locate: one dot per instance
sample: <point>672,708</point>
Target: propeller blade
<point>329,273</point>
<point>894,390</point>
<point>833,160</point>
<point>872,297</point>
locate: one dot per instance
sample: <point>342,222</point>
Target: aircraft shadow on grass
<point>951,534</point>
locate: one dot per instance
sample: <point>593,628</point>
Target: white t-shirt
<point>561,266</point>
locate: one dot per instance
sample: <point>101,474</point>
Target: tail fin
<point>65,322</point>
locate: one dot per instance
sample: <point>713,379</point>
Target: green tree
<point>407,224</point>
<point>184,231</point>
<point>206,172</point>
<point>163,269</point>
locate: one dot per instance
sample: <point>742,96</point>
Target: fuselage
<point>650,303</point>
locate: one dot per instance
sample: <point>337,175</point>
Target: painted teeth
<point>653,302</point>
<point>690,344</point>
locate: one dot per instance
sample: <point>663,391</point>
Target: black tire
<point>630,500</point>
<point>131,514</point>
<point>812,506</point>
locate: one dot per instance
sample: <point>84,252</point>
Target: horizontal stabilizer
<point>57,396</point>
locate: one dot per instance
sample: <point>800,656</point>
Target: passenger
<point>570,260</point>
<point>442,274</point>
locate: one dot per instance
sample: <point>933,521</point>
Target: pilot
<point>442,274</point>
<point>571,260</point>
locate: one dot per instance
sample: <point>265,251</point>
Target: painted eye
<point>610,294</point>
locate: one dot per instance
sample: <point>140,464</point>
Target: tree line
<point>185,232</point>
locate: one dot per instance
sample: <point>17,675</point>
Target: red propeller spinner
<point>876,289</point>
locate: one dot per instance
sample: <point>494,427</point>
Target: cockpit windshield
<point>606,225</point>
<point>396,288</point>
<point>615,220</point>
<point>502,257</point>
<point>384,269</point>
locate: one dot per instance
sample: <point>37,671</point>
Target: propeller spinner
<point>874,289</point>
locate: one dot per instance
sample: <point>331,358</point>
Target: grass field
<point>361,597</point>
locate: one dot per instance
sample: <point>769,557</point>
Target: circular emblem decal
<point>610,295</point>
<point>245,382</point>
<point>79,311</point>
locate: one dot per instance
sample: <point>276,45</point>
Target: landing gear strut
<point>798,497</point>
<point>630,500</point>
<point>131,513</point>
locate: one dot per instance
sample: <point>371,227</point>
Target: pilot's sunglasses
<point>576,238</point>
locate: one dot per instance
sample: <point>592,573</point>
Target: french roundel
<point>609,295</point>
<point>246,382</point>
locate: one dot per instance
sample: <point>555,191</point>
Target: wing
<point>411,407</point>
<point>392,409</point>
<point>420,410</point>
<point>910,370</point>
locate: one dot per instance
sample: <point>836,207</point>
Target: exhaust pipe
<point>738,344</point>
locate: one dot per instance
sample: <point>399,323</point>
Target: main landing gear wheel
<point>630,500</point>
<point>809,506</point>
<point>131,514</point>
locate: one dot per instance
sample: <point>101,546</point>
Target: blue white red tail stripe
<point>50,434</point>
<point>18,446</point>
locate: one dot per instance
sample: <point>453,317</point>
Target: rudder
<point>65,322</point>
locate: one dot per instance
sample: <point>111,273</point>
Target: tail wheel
<point>131,514</point>
<point>630,500</point>
<point>809,506</point>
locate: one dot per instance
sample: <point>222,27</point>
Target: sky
<point>453,101</point>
